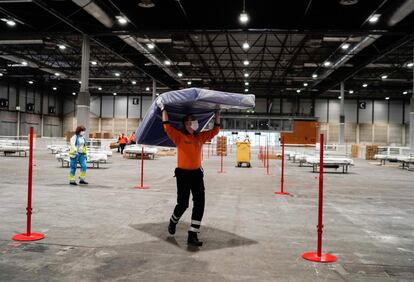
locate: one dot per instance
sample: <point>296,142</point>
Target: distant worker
<point>189,173</point>
<point>131,139</point>
<point>77,154</point>
<point>123,140</point>
<point>117,141</point>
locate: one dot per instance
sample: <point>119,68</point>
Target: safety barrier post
<point>221,157</point>
<point>267,158</point>
<point>29,235</point>
<point>142,186</point>
<point>318,256</point>
<point>282,174</point>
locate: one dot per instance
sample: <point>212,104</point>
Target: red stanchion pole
<point>29,235</point>
<point>282,174</point>
<point>221,158</point>
<point>318,256</point>
<point>142,186</point>
<point>267,158</point>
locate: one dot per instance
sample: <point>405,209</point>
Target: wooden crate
<point>354,150</point>
<point>221,146</point>
<point>371,150</point>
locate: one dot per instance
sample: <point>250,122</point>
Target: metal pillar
<point>412,115</point>
<point>83,101</point>
<point>154,89</point>
<point>18,124</point>
<point>342,116</point>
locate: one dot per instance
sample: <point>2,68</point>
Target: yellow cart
<point>243,154</point>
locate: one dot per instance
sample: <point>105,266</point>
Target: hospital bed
<point>92,158</point>
<point>134,151</point>
<point>330,162</point>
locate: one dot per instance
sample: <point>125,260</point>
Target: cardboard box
<point>108,135</point>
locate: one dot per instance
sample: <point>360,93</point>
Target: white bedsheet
<point>330,160</point>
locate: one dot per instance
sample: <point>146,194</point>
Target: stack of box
<point>221,148</point>
<point>371,151</point>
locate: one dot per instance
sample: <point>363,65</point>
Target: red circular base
<point>313,256</point>
<point>31,237</point>
<point>281,193</point>
<point>141,187</point>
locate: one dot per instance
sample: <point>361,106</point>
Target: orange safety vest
<point>189,146</point>
<point>123,140</point>
<point>131,138</point>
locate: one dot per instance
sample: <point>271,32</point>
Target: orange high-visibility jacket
<point>189,146</point>
<point>123,140</point>
<point>131,138</point>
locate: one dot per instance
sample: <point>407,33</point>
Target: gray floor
<point>111,232</point>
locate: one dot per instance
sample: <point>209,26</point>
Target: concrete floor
<point>108,231</point>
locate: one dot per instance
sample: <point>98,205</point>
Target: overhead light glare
<point>246,83</point>
<point>122,20</point>
<point>30,82</point>
<point>54,88</point>
<point>24,63</point>
<point>365,85</point>
<point>62,47</point>
<point>405,92</point>
<point>246,90</point>
<point>298,90</point>
<point>374,18</point>
<point>117,74</point>
<point>180,74</point>
<point>73,93</point>
<point>147,89</point>
<point>245,45</point>
<point>115,93</point>
<point>188,82</point>
<point>167,62</point>
<point>410,65</point>
<point>351,91</point>
<point>244,18</point>
<point>57,74</point>
<point>305,84</point>
<point>133,82</point>
<point>384,76</point>
<point>246,75</point>
<point>11,23</point>
<point>314,76</point>
<point>327,63</point>
<point>94,63</point>
<point>150,46</point>
<point>99,88</point>
<point>387,98</point>
<point>246,62</point>
<point>345,46</point>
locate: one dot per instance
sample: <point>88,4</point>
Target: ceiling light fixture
<point>246,83</point>
<point>339,97</point>
<point>327,63</point>
<point>80,82</point>
<point>167,62</point>
<point>62,47</point>
<point>100,88</point>
<point>298,90</point>
<point>30,82</point>
<point>244,18</point>
<point>387,98</point>
<point>115,93</point>
<point>314,76</point>
<point>245,45</point>
<point>351,91</point>
<point>133,82</point>
<point>405,92</point>
<point>410,65</point>
<point>94,63</point>
<point>73,93</point>
<point>374,18</point>
<point>54,88</point>
<point>345,46</point>
<point>180,74</point>
<point>117,74</point>
<point>365,85</point>
<point>24,63</point>
<point>57,74</point>
<point>122,20</point>
<point>1,74</point>
<point>10,23</point>
<point>189,82</point>
<point>384,76</point>
<point>246,62</point>
<point>305,84</point>
<point>150,46</point>
<point>246,74</point>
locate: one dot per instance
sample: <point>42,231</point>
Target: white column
<point>83,101</point>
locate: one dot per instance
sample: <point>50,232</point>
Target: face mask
<point>82,133</point>
<point>194,125</point>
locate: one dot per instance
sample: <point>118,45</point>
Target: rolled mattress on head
<point>201,103</point>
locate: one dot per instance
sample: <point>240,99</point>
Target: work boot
<point>193,239</point>
<point>82,181</point>
<point>171,227</point>
<point>73,182</point>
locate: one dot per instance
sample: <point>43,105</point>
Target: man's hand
<point>159,103</point>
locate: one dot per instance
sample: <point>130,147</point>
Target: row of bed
<point>14,147</point>
<point>311,158</point>
<point>399,155</point>
<point>96,156</point>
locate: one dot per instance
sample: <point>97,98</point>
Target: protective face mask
<point>82,133</point>
<point>194,125</point>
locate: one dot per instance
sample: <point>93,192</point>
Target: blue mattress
<point>201,103</point>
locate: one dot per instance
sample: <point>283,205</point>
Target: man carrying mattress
<point>189,173</point>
